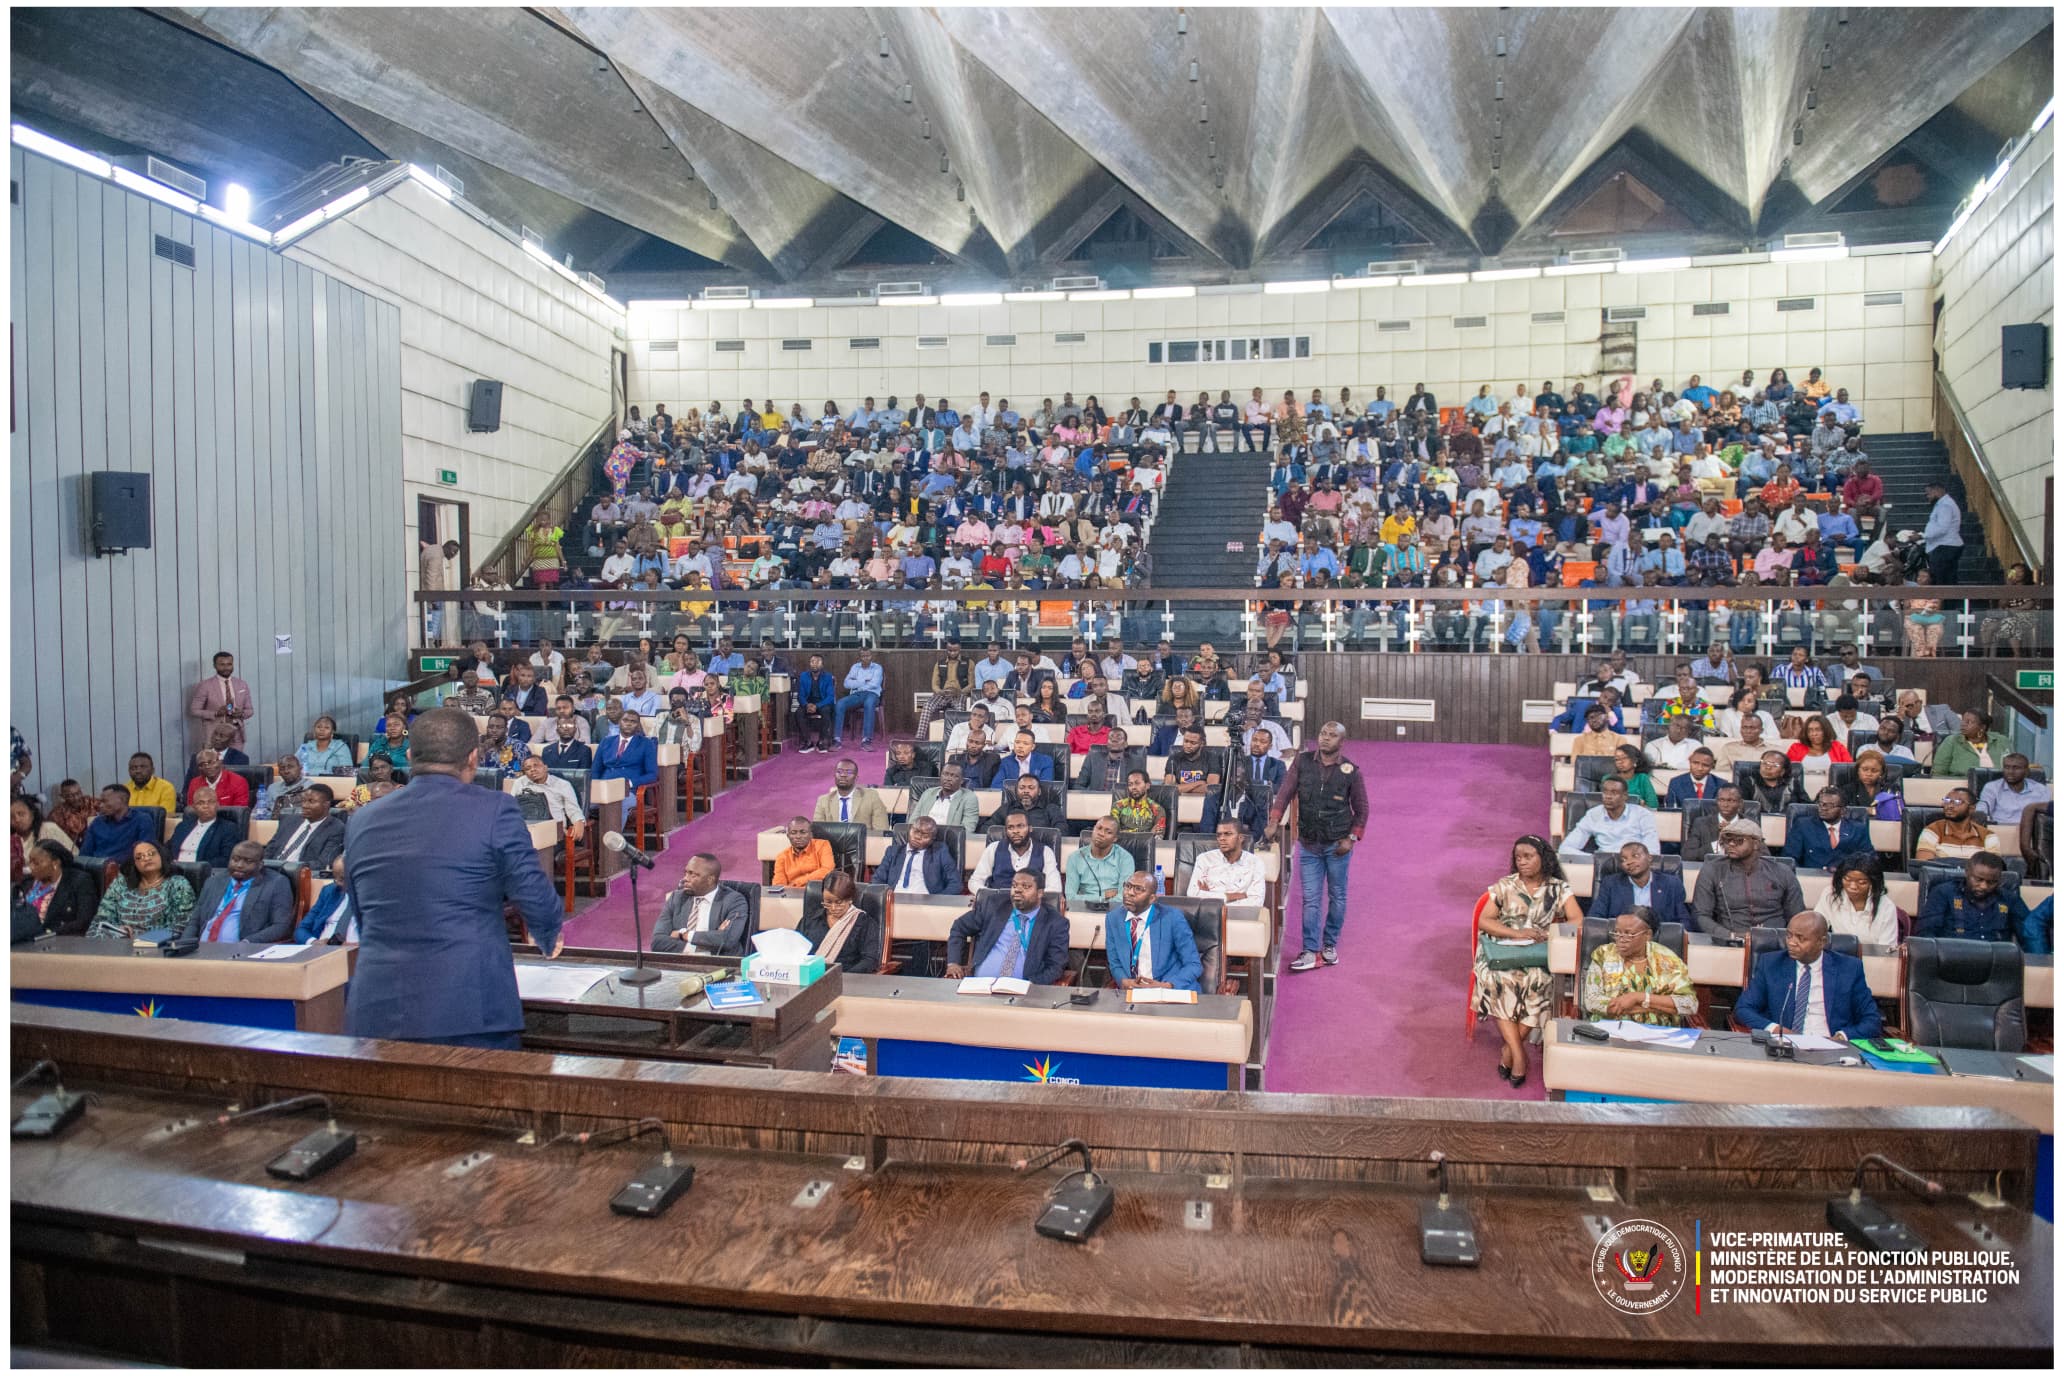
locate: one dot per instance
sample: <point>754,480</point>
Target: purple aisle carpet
<point>1386,1021</point>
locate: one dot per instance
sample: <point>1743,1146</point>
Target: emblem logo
<point>1639,1266</point>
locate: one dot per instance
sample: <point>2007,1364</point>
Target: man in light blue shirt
<point>918,569</point>
<point>1318,558</point>
<point>1837,524</point>
<point>964,438</point>
<point>1943,536</point>
<point>1381,408</point>
<point>863,685</point>
<point>1524,530</point>
<point>1612,824</point>
<point>890,416</point>
<point>862,418</point>
<point>937,485</point>
<point>992,667</point>
<point>1840,408</point>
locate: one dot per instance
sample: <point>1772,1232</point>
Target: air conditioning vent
<point>871,342</point>
<point>1596,255</point>
<point>1076,284</point>
<point>1001,341</point>
<point>1616,315</point>
<point>1539,711</point>
<point>729,346</point>
<point>1408,267</point>
<point>1547,317</point>
<point>450,179</point>
<point>1471,322</point>
<point>1397,709</point>
<point>1393,326</point>
<point>531,236</point>
<point>882,289</point>
<point>1813,241</point>
<point>1883,298</point>
<point>795,346</point>
<point>931,341</point>
<point>1071,339</point>
<point>172,251</point>
<point>664,346</point>
<point>164,174</point>
<point>727,293</point>
<point>1709,308</point>
<point>1795,303</point>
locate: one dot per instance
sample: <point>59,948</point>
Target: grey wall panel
<point>264,399</point>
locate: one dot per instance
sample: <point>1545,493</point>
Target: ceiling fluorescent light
<point>157,191</point>
<point>906,300</point>
<point>1357,283</point>
<point>285,236</point>
<point>1504,274</point>
<point>1576,269</point>
<point>733,304</point>
<point>429,181</point>
<point>781,303</point>
<point>1439,279</point>
<point>1162,293</point>
<point>236,202</point>
<point>1637,265</point>
<point>234,225</point>
<point>1120,294</point>
<point>1809,255</point>
<point>49,147</point>
<point>972,298</point>
<point>2042,116</point>
<point>659,305</point>
<point>1027,296</point>
<point>1294,288</point>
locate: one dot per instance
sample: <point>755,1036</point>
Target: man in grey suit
<point>949,803</point>
<point>1702,833</point>
<point>701,915</point>
<point>314,838</point>
<point>246,902</point>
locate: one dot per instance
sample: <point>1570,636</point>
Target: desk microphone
<point>614,841</point>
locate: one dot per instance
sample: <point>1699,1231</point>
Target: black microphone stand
<point>639,974</point>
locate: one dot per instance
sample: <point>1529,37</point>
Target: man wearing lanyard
<point>245,903</point>
<point>1027,941</point>
<point>1149,946</point>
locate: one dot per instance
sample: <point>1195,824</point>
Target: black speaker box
<point>2024,355</point>
<point>485,413</point>
<point>118,511</point>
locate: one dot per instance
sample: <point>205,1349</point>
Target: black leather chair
<point>157,816</point>
<point>750,891</point>
<point>1965,994</point>
<point>239,819</point>
<point>1607,862</point>
<point>1190,847</point>
<point>1745,776</point>
<point>873,900</point>
<point>1165,795</point>
<point>917,786</point>
<point>1057,753</point>
<point>954,838</point>
<point>1592,771</point>
<point>1575,806</point>
<point>848,844</point>
<point>1597,932</point>
<point>929,756</point>
<point>1766,941</point>
<point>254,776</point>
<point>196,872</point>
<point>1207,925</point>
<point>1977,779</point>
<point>1708,807</point>
<point>1929,873</point>
<point>1139,845</point>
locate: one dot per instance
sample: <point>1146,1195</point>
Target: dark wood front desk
<point>839,1220</point>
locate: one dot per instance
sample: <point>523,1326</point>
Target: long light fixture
<point>236,202</point>
<point>705,304</point>
<point>1978,195</point>
<point>661,305</point>
<point>1109,294</point>
<point>1504,274</point>
<point>783,303</point>
<point>1576,269</point>
<point>971,298</point>
<point>1357,283</point>
<point>1162,293</point>
<point>1809,255</point>
<point>906,300</point>
<point>1027,297</point>
<point>429,182</point>
<point>236,226</point>
<point>1295,288</point>
<point>1438,279</point>
<point>1640,265</point>
<point>51,148</point>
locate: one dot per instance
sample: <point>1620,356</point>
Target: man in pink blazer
<point>221,697</point>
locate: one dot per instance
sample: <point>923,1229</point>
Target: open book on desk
<point>1160,996</point>
<point>975,985</point>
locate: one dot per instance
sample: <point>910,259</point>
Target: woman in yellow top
<point>1397,525</point>
<point>1636,979</point>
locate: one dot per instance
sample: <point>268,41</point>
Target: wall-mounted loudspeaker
<point>485,412</point>
<point>118,512</point>
<point>2025,356</point>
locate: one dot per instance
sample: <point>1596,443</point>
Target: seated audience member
<point>566,750</point>
<point>29,827</point>
<point>903,765</point>
<point>807,857</point>
<point>1813,991</point>
<point>1957,834</point>
<point>920,863</point>
<point>499,756</point>
<point>1816,752</point>
<point>59,894</point>
<point>538,790</point>
<point>221,740</point>
<point>283,798</point>
<point>148,895</point>
<point>839,929</point>
<point>1702,833</point>
<point>1578,711</point>
<point>1232,872</point>
<point>1028,796</point>
<point>1872,787</point>
<point>73,810</point>
<point>1598,736</point>
<point>1255,780</point>
<point>146,789</point>
<point>1975,746</point>
<point>849,802</point>
<point>1092,731</point>
<point>630,755</point>
<point>1746,888</point>
<point>1855,903</point>
<point>1103,768</point>
<point>1639,884</point>
<point>949,802</point>
<point>1612,823</point>
<point>1818,844</point>
<point>118,827</point>
<point>1027,941</point>
<point>245,902</point>
<point>314,838</point>
<point>1636,978</point>
<point>1697,784</point>
<point>1673,749</point>
<point>323,753</point>
<point>1521,907</point>
<point>1149,945</point>
<point>680,726</point>
<point>2006,798</point>
<point>1630,766</point>
<point>230,789</point>
<point>1133,810</point>
<point>1976,906</point>
<point>1023,759</point>
<point>331,920</point>
<point>1015,851</point>
<point>815,692</point>
<point>701,915</point>
<point>203,834</point>
<point>393,746</point>
<point>1750,746</point>
<point>1096,872</point>
<point>981,717</point>
<point>1774,787</point>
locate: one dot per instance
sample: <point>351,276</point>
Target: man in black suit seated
<point>567,750</point>
<point>1021,939</point>
<point>701,915</point>
<point>904,766</point>
<point>245,902</point>
<point>1639,884</point>
<point>314,838</point>
<point>1028,796</point>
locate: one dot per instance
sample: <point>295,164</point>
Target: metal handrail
<point>1994,491</point>
<point>579,470</point>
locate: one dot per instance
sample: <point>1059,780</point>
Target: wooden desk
<point>666,794</point>
<point>607,806</point>
<point>394,1260</point>
<point>923,1028</point>
<point>303,991</point>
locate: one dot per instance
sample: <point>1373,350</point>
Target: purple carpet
<point>1387,1020</point>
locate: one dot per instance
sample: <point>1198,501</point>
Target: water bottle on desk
<point>1159,886</point>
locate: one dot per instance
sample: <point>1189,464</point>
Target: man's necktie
<point>1137,926</point>
<point>232,902</point>
<point>1834,836</point>
<point>909,859</point>
<point>845,809</point>
<point>1802,993</point>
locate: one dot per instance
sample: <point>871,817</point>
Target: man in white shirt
<point>1672,751</point>
<point>560,801</point>
<point>1613,823</point>
<point>620,565</point>
<point>1231,872</point>
<point>640,699</point>
<point>1013,852</point>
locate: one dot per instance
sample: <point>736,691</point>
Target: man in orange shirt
<point>807,857</point>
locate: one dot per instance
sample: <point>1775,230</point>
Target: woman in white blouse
<point>1855,903</point>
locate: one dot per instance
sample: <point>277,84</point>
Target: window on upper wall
<point>1222,350</point>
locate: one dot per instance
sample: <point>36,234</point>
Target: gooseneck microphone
<point>639,973</point>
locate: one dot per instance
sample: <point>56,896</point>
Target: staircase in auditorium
<point>1212,500</point>
<point>1906,463</point>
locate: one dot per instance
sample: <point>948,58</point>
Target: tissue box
<point>760,968</point>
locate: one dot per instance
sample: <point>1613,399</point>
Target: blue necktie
<point>1802,992</point>
<point>845,810</point>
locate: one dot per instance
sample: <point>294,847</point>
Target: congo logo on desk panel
<point>1639,1266</point>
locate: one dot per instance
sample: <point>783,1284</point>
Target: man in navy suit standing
<point>429,867</point>
<point>1814,990</point>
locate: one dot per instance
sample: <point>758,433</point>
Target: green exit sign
<point>438,664</point>
<point>448,476</point>
<point>2040,680</point>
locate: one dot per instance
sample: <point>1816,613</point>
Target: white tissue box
<point>762,969</point>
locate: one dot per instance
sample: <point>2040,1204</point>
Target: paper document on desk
<point>1624,1030</point>
<point>557,983</point>
<point>2046,1064</point>
<point>975,985</point>
<point>1806,1041</point>
<point>274,953</point>
<point>1160,996</point>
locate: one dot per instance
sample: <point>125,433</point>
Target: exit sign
<point>448,476</point>
<point>438,664</point>
<point>2040,680</point>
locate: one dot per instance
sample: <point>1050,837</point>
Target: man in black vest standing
<point>1332,802</point>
